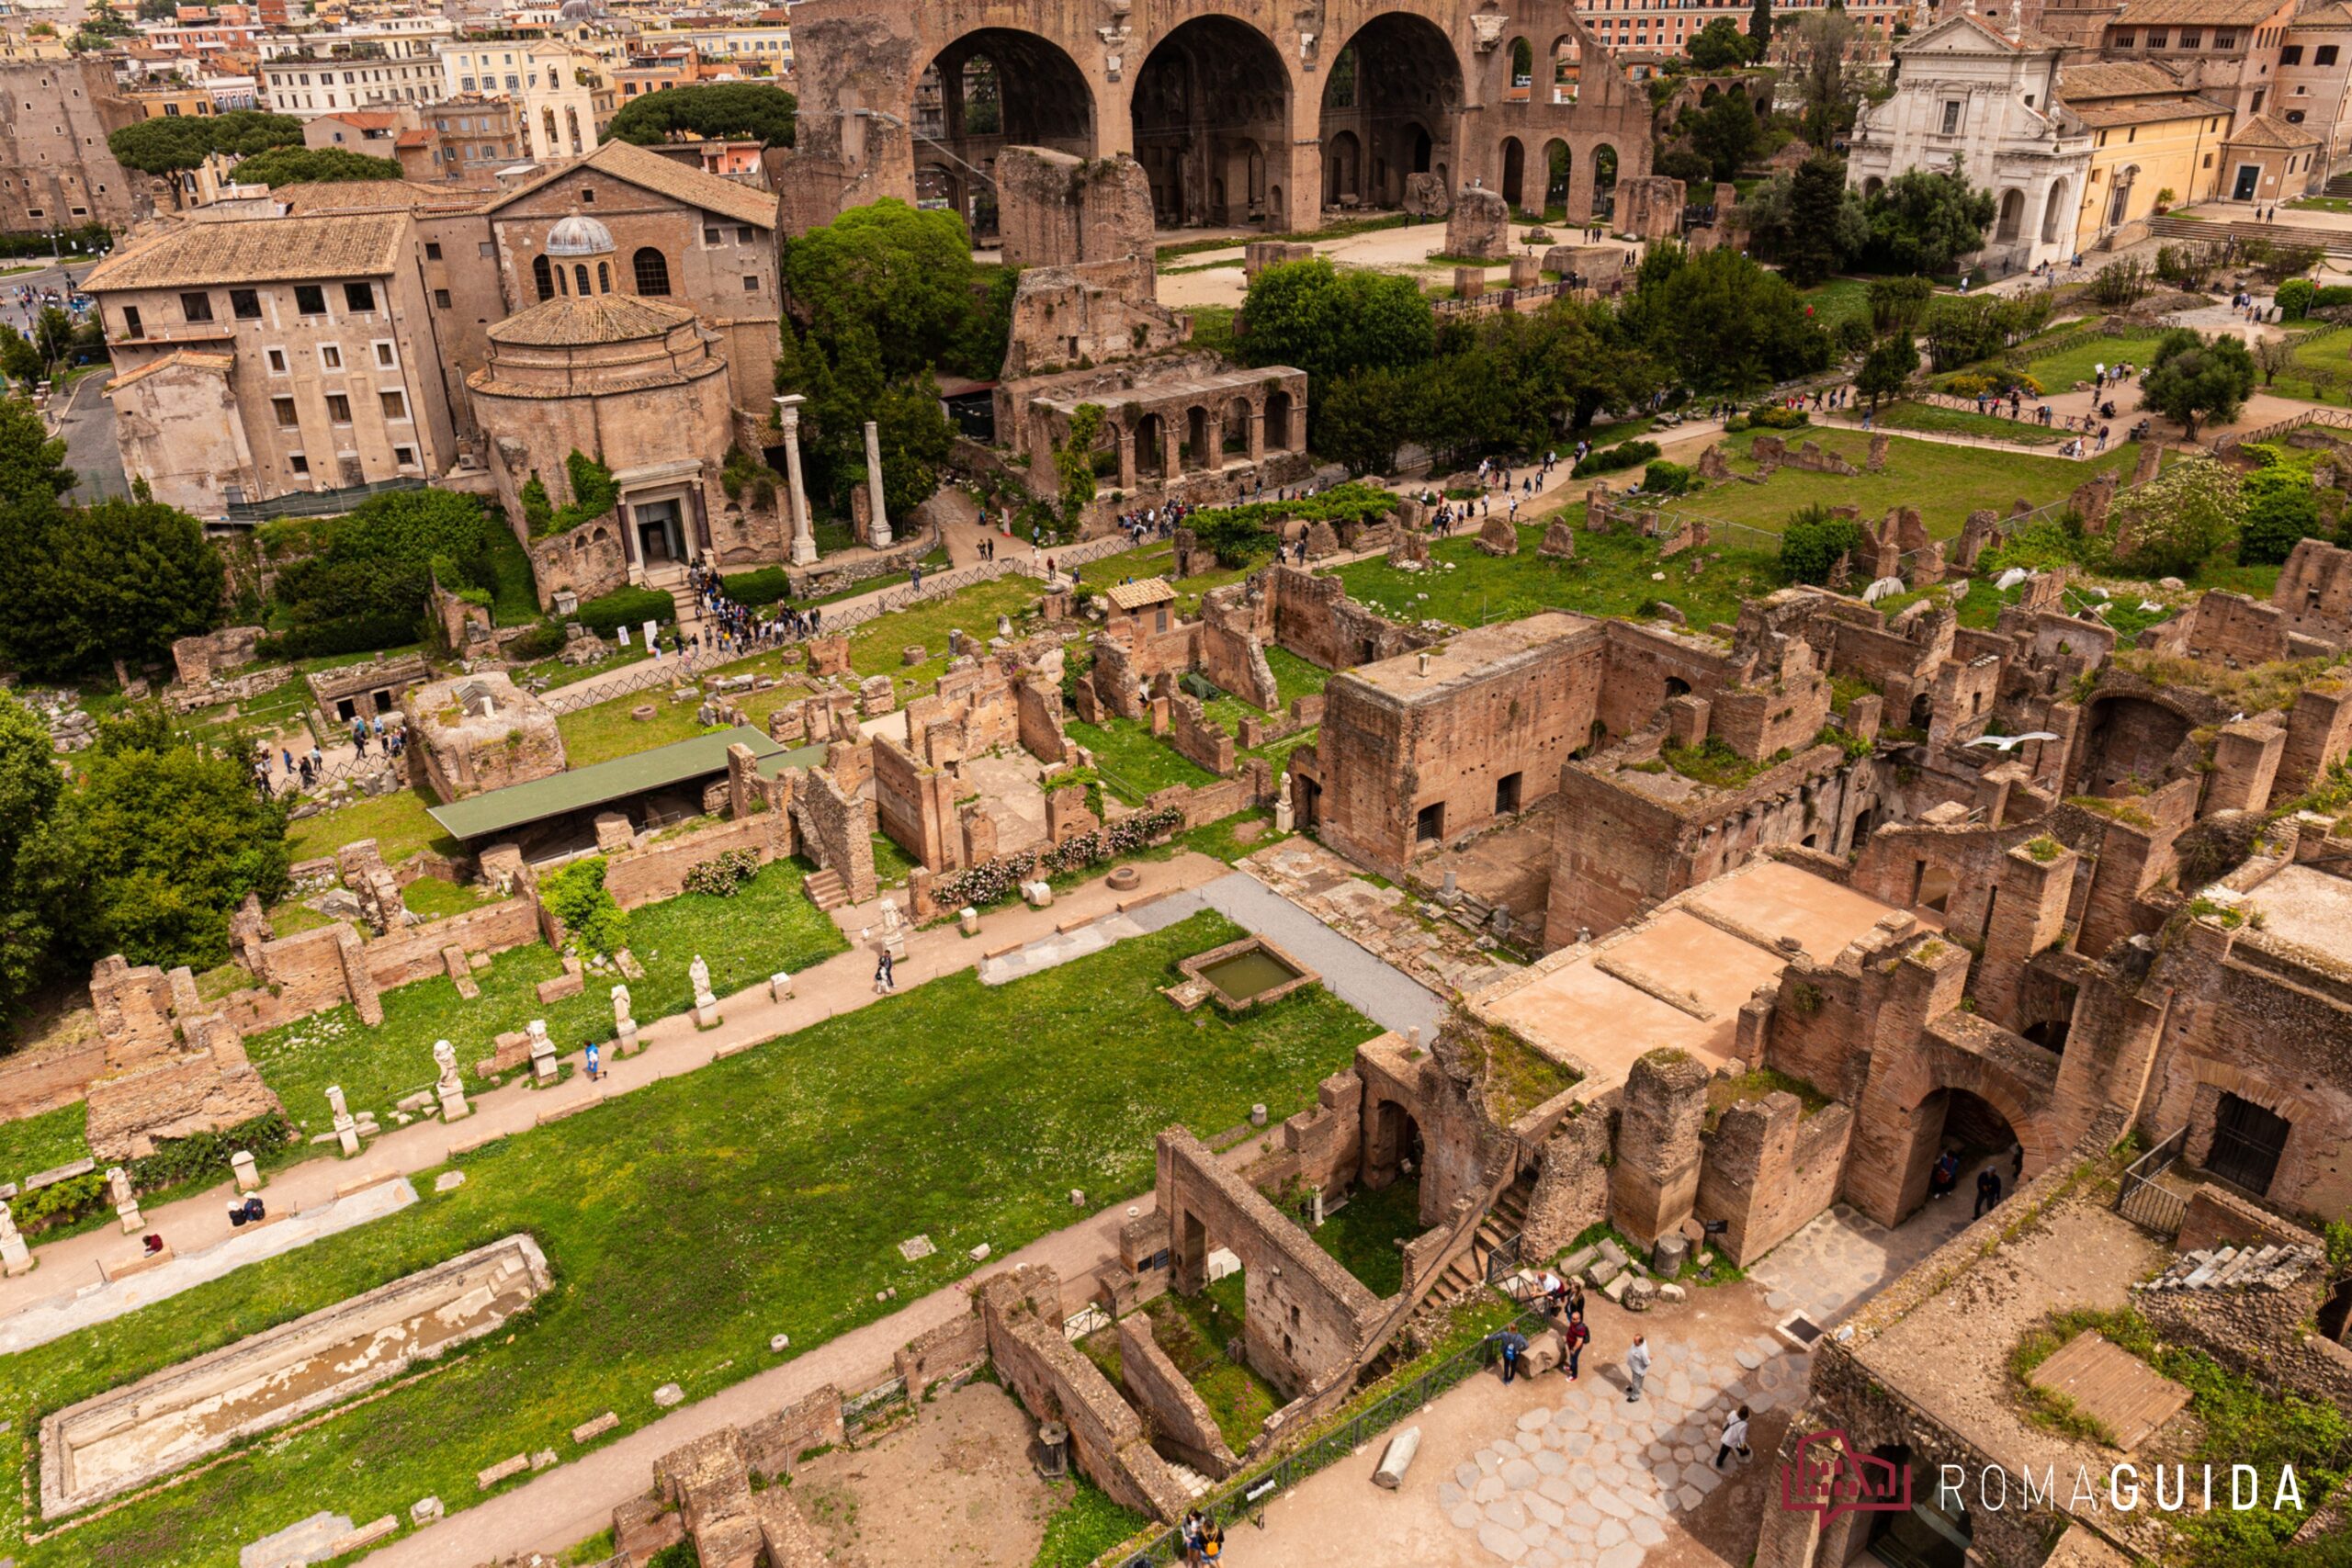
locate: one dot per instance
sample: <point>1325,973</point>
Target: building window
<point>2157,38</point>
<point>284,409</point>
<point>710,235</point>
<point>195,307</point>
<point>652,271</point>
<point>404,455</point>
<point>543,277</point>
<point>360,297</point>
<point>329,356</point>
<point>432,250</point>
<point>129,320</point>
<point>604,277</point>
<point>743,234</point>
<point>277,357</point>
<point>1951,117</point>
<point>309,298</point>
<point>2225,40</point>
<point>244,304</point>
<point>588,195</point>
<point>440,299</point>
<point>395,404</point>
<point>338,408</point>
<point>2323,55</point>
<point>2260,94</point>
<point>2192,37</point>
<point>750,283</point>
<point>2123,40</point>
<point>580,278</point>
<point>298,462</point>
<point>2294,117</point>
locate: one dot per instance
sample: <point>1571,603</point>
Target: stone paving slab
<point>1842,1258</point>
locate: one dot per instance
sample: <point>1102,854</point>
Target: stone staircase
<point>826,889</point>
<point>2340,185</point>
<point>2334,242</point>
<point>1467,1274</point>
<point>1195,1484</point>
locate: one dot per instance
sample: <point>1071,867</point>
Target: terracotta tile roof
<point>259,250</point>
<point>1139,595</point>
<point>2114,79</point>
<point>377,196</point>
<point>365,120</point>
<point>413,139</point>
<point>2196,13</point>
<point>2114,112</point>
<point>564,321</point>
<point>194,359</point>
<point>626,161</point>
<point>2323,19</point>
<point>2262,131</point>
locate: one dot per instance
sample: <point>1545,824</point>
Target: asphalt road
<point>86,420</point>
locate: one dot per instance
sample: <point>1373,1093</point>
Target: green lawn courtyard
<point>2079,361</point>
<point>768,925</point>
<point>1945,482</point>
<point>688,1224</point>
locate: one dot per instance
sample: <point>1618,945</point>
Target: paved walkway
<point>1843,1258</point>
<point>840,984</point>
<point>1370,984</point>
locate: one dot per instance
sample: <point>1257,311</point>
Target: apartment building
<point>55,170</point>
<point>1668,26</point>
<point>551,84</point>
<point>368,66</point>
<point>465,138</point>
<point>2227,51</point>
<point>2314,66</point>
<point>254,359</point>
<point>2151,141</point>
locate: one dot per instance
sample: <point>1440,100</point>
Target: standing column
<point>1257,429</point>
<point>881,535</point>
<point>804,536</point>
<point>1126,458</point>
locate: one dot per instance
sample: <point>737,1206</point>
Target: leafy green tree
<point>1722,323</point>
<point>592,917</point>
<point>164,840</point>
<point>1824,85</point>
<point>53,333</point>
<point>1727,134</point>
<point>1898,303</point>
<point>32,464</point>
<point>1922,221</point>
<point>1809,221</point>
<point>2189,379</point>
<point>1327,322</point>
<point>1363,416</point>
<point>916,440</point>
<point>1812,543</point>
<point>1893,361</point>
<point>360,580</point>
<point>905,275</point>
<point>19,360</point>
<point>1721,46</point>
<point>90,585</point>
<point>727,110</point>
<point>182,142</point>
<point>2281,509</point>
<point>1759,27</point>
<point>2178,520</point>
<point>1074,461</point>
<point>309,165</point>
<point>30,786</point>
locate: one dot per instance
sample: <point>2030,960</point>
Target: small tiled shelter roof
<point>2105,114</point>
<point>2196,13</point>
<point>1140,595</point>
<point>259,250</point>
<point>2115,79</point>
<point>2265,131</point>
<point>191,358</point>
<point>696,188</point>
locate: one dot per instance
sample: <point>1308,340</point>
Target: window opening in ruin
<point>1924,1535</point>
<point>1429,826</point>
<point>2247,1141</point>
<point>2335,1316</point>
<point>1507,794</point>
<point>1933,890</point>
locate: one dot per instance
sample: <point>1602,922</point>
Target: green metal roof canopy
<point>575,789</point>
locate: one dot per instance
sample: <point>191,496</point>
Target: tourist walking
<point>1734,1438</point>
<point>883,981</point>
<point>1195,1531</point>
<point>1988,1189</point>
<point>1637,1367</point>
<point>1944,1175</point>
<point>1514,1344</point>
<point>1573,1339</point>
<point>594,1063</point>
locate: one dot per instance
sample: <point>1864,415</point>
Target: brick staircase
<point>826,890</point>
<point>1467,1274</point>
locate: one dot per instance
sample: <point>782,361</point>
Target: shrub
<point>1669,479</point>
<point>1853,335</point>
<point>764,586</point>
<point>541,639</point>
<point>1813,541</point>
<point>1609,459</point>
<point>2281,508</point>
<point>626,607</point>
<point>1774,416</point>
<point>2294,298</point>
<point>589,915</point>
<point>2331,296</point>
<point>206,1154</point>
<point>723,876</point>
<point>356,633</point>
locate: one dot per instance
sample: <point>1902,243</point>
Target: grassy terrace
<point>1936,420</point>
<point>767,926</point>
<point>2079,362</point>
<point>38,1142</point>
<point>1365,1234</point>
<point>1946,483</point>
<point>761,1195</point>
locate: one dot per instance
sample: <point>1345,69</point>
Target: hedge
<point>1609,459</point>
<point>1774,416</point>
<point>353,634</point>
<point>764,586</point>
<point>626,607</point>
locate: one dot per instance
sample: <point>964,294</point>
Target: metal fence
<point>315,503</point>
<point>664,673</point>
<point>1246,1500</point>
<point>2143,1200</point>
<point>2331,419</point>
<point>874,1405</point>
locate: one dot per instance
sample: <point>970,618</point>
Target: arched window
<point>604,277</point>
<point>572,122</point>
<point>652,272</point>
<point>580,278</point>
<point>543,277</point>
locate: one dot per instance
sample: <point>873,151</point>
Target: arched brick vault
<point>859,62</point>
<point>2023,1103</point>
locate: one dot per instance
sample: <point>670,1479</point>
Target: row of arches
<point>1206,437</point>
<point>648,270</point>
<point>1546,190</point>
<point>2008,225</point>
<point>1211,111</point>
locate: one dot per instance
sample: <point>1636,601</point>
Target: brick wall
<point>953,1347</point>
<point>43,1079</point>
<point>1038,707</point>
<point>1656,1175</point>
<point>1179,1418</point>
<point>916,807</point>
<point>1769,1169</point>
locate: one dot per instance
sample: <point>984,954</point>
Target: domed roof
<point>579,236</point>
<point>566,321</point>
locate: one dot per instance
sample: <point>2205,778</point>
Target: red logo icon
<point>1830,1479</point>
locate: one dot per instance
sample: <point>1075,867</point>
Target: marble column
<point>880,539</point>
<point>804,537</point>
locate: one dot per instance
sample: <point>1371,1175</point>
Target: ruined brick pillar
<point>356,981</point>
<point>1571,1184</point>
<point>2245,767</point>
<point>1686,720</point>
<point>1886,1174</point>
<point>2026,914</point>
<point>2319,731</point>
<point>742,781</point>
<point>1656,1180</point>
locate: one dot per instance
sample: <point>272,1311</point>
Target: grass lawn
<point>1221,839</point>
<point>2320,204</point>
<point>877,647</point>
<point>1610,575</point>
<point>1837,298</point>
<point>1194,1330</point>
<point>1363,1235</point>
<point>1946,483</point>
<point>2058,372</point>
<point>1293,676</point>
<point>514,599</point>
<point>761,1195</point>
<point>1141,761</point>
<point>1940,420</point>
<point>43,1141</point>
<point>1158,558</point>
<point>1085,1527</point>
<point>396,821</point>
<point>430,898</point>
<point>769,925</point>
